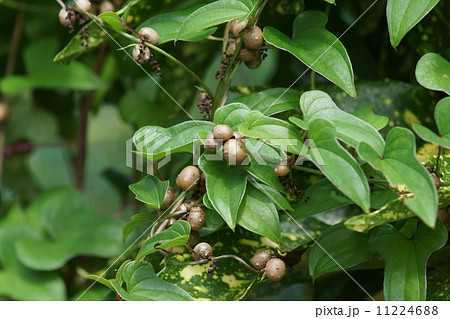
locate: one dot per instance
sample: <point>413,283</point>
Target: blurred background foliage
<point>51,234</point>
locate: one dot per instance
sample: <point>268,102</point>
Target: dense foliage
<point>225,150</point>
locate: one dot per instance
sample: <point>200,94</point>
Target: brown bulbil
<point>261,257</point>
<point>247,55</point>
<point>253,37</point>
<point>436,180</point>
<point>66,17</point>
<point>106,6</point>
<point>196,218</point>
<point>222,132</point>
<point>203,250</point>
<point>211,145</point>
<point>189,178</point>
<point>282,169</point>
<point>168,198</point>
<point>141,54</point>
<point>255,63</point>
<point>231,49</point>
<point>234,152</point>
<point>236,27</point>
<point>149,35</point>
<point>275,269</point>
<point>84,5</point>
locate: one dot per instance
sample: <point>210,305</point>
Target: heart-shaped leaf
<point>150,190</point>
<point>317,48</point>
<point>213,14</point>
<point>403,15</point>
<point>403,170</point>
<point>337,248</point>
<point>391,212</point>
<point>232,114</point>
<point>155,142</point>
<point>136,221</point>
<point>406,255</point>
<point>272,131</point>
<point>442,117</point>
<point>366,114</point>
<point>168,26</point>
<point>113,20</point>
<point>142,284</point>
<point>258,214</point>
<point>271,101</point>
<point>225,186</point>
<point>176,235</point>
<point>337,164</point>
<point>433,72</point>
<point>349,128</point>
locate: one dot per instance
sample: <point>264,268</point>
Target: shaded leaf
<point>433,72</point>
<point>231,114</point>
<point>150,190</point>
<point>113,20</point>
<point>366,114</point>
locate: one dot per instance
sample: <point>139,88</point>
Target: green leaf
<point>213,14</point>
<point>442,117</point>
<point>113,20</point>
<point>366,114</point>
<point>433,72</point>
<point>317,48</point>
<point>225,186</point>
<point>337,248</point>
<point>406,258</point>
<point>101,280</point>
<point>258,214</point>
<point>403,15</point>
<point>155,142</point>
<point>176,235</point>
<point>150,190</point>
<point>314,201</point>
<point>142,284</point>
<point>168,26</point>
<point>271,101</point>
<point>298,233</point>
<point>402,169</point>
<point>337,164</point>
<point>280,202</point>
<point>231,282</point>
<point>74,48</point>
<point>265,173</point>
<point>232,114</point>
<point>349,128</point>
<point>72,229</point>
<point>44,74</point>
<point>391,212</point>
<point>438,284</point>
<point>272,131</point>
<point>135,221</point>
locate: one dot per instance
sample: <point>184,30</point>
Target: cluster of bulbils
<point>233,144</point>
<point>250,52</point>
<point>142,53</point>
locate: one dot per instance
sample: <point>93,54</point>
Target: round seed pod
<point>141,54</point>
<point>194,238</point>
<point>234,152</point>
<point>4,112</point>
<point>261,257</point>
<point>211,145</point>
<point>275,269</point>
<point>247,55</point>
<point>203,250</point>
<point>255,63</point>
<point>436,180</point>
<point>237,26</point>
<point>189,178</point>
<point>66,17</point>
<point>231,49</point>
<point>222,132</point>
<point>83,5</point>
<point>149,35</point>
<point>253,37</point>
<point>196,218</point>
<point>168,198</point>
<point>282,169</point>
<point>106,6</point>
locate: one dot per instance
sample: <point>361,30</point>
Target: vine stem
<point>313,80</point>
<point>202,261</point>
<point>308,170</point>
<point>445,183</point>
<point>436,167</point>
<point>155,48</point>
<point>211,37</point>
